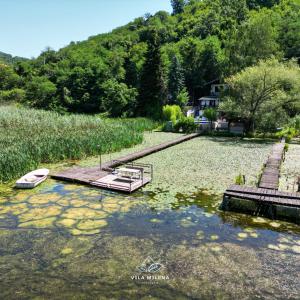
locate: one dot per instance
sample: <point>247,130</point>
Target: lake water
<point>65,241</point>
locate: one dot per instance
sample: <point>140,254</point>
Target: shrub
<point>288,133</point>
<point>186,125</point>
<point>172,113</point>
<point>14,95</point>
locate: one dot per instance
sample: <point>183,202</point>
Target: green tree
<point>261,3</point>
<point>260,89</point>
<point>40,92</point>
<point>178,6</point>
<point>8,78</point>
<point>254,40</point>
<point>203,62</point>
<point>289,29</point>
<point>182,98</point>
<point>176,79</point>
<point>153,87</point>
<point>211,115</point>
<point>118,99</point>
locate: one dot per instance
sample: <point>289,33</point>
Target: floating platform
<point>102,177</point>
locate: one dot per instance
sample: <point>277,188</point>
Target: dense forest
<point>9,59</point>
<point>166,59</point>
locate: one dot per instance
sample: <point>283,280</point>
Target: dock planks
<point>262,195</point>
<point>271,173</point>
<point>148,151</point>
<point>90,175</point>
<point>266,194</point>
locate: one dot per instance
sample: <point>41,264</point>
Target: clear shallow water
<point>72,242</point>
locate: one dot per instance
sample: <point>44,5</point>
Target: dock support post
<point>225,202</point>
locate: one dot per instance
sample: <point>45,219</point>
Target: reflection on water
<point>67,241</point>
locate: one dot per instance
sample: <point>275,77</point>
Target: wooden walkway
<point>140,154</point>
<point>90,175</point>
<point>263,196</point>
<point>271,173</point>
<point>266,196</point>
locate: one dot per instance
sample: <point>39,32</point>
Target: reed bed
<point>29,137</point>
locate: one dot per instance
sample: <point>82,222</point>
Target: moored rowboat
<point>32,179</point>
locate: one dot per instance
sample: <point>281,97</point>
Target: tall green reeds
<point>30,137</point>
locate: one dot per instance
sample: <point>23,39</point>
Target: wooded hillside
<point>158,59</point>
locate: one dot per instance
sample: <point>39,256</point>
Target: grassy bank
<point>30,137</point>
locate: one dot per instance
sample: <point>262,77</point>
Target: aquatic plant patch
<point>290,169</point>
<point>205,163</point>
<point>30,137</point>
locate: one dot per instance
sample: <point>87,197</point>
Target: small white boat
<point>32,179</point>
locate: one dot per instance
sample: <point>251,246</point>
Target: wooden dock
<point>263,196</point>
<point>140,154</point>
<point>271,172</point>
<point>266,196</point>
<point>93,175</point>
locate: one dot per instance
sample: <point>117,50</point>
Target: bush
<point>186,125</point>
<point>288,133</point>
<point>14,95</point>
<point>171,114</point>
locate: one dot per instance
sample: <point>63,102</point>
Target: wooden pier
<point>263,196</point>
<point>266,196</point>
<point>271,172</point>
<point>140,154</point>
<point>98,177</point>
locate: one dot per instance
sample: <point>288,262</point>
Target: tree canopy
<point>263,91</point>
